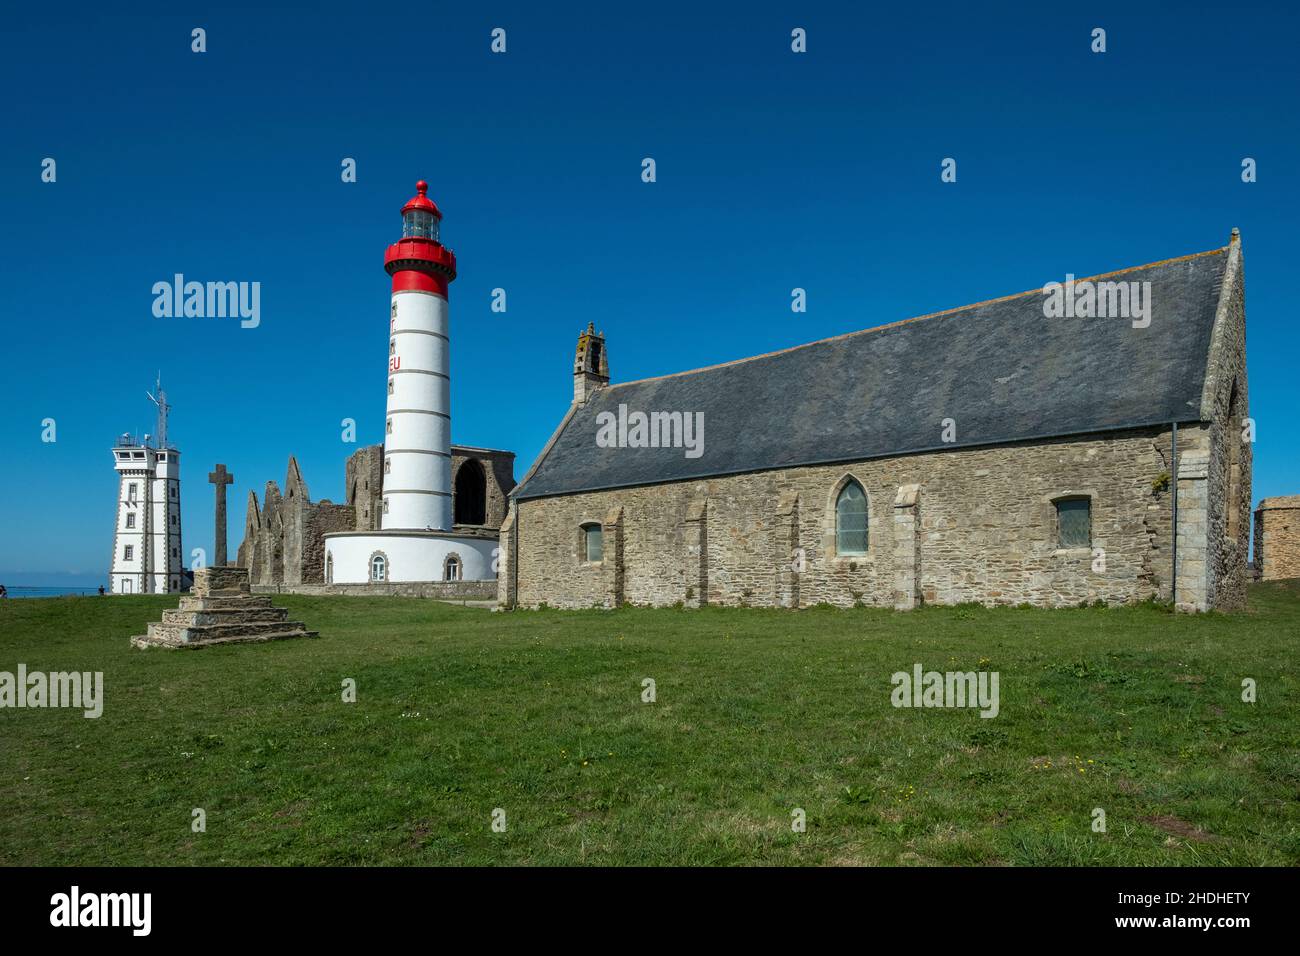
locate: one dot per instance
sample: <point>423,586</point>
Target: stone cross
<point>220,478</point>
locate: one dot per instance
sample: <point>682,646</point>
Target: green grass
<point>461,711</point>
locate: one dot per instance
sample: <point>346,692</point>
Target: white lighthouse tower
<point>417,426</point>
<point>147,533</point>
<point>416,543</point>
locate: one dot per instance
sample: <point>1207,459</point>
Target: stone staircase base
<point>221,610</point>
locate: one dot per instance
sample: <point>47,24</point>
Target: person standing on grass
<point>3,593</point>
<point>101,590</point>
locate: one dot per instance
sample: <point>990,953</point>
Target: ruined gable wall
<point>1231,459</point>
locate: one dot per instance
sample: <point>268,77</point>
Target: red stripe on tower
<point>418,261</point>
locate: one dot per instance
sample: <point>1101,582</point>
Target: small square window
<point>388,427</point>
<point>128,552</point>
<point>130,520</point>
<point>1074,522</point>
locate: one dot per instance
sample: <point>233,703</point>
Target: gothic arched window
<point>851,520</point>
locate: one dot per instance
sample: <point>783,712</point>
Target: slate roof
<point>1002,370</point>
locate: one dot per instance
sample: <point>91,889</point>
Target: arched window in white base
<point>451,568</point>
<point>378,567</point>
<point>329,569</point>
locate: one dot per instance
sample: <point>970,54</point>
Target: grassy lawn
<point>460,711</point>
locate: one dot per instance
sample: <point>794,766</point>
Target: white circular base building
<point>398,557</point>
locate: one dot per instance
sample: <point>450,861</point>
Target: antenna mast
<point>161,402</point>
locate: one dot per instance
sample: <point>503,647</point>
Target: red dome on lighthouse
<point>421,201</point>
<point>419,260</point>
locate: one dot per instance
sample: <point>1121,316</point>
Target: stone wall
<point>1225,406</point>
<point>1277,538</point>
<point>440,590</point>
<point>363,478</point>
<point>945,527</point>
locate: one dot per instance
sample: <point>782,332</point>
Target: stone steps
<point>224,615</point>
<point>248,601</point>
<point>290,629</point>
<point>187,632</point>
<point>220,610</point>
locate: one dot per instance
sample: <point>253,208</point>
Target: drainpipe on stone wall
<point>514,555</point>
<point>1173,584</point>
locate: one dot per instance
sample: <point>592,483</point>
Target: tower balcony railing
<point>127,440</point>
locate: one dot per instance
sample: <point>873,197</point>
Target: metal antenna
<point>161,402</point>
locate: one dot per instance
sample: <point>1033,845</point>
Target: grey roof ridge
<point>1191,418</point>
<point>917,318</point>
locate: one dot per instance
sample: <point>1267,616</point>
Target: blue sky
<point>775,170</point>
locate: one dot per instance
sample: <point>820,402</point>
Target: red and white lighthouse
<point>417,427</point>
<point>416,541</point>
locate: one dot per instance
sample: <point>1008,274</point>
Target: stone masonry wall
<point>439,590</point>
<point>321,519</point>
<point>363,481</point>
<point>983,522</point>
<point>1225,406</point>
<point>1277,538</point>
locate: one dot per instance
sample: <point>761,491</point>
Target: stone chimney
<point>590,365</point>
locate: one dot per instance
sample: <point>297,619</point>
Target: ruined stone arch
<point>470,493</point>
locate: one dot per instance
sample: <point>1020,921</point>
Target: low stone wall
<point>1277,538</point>
<point>439,590</point>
